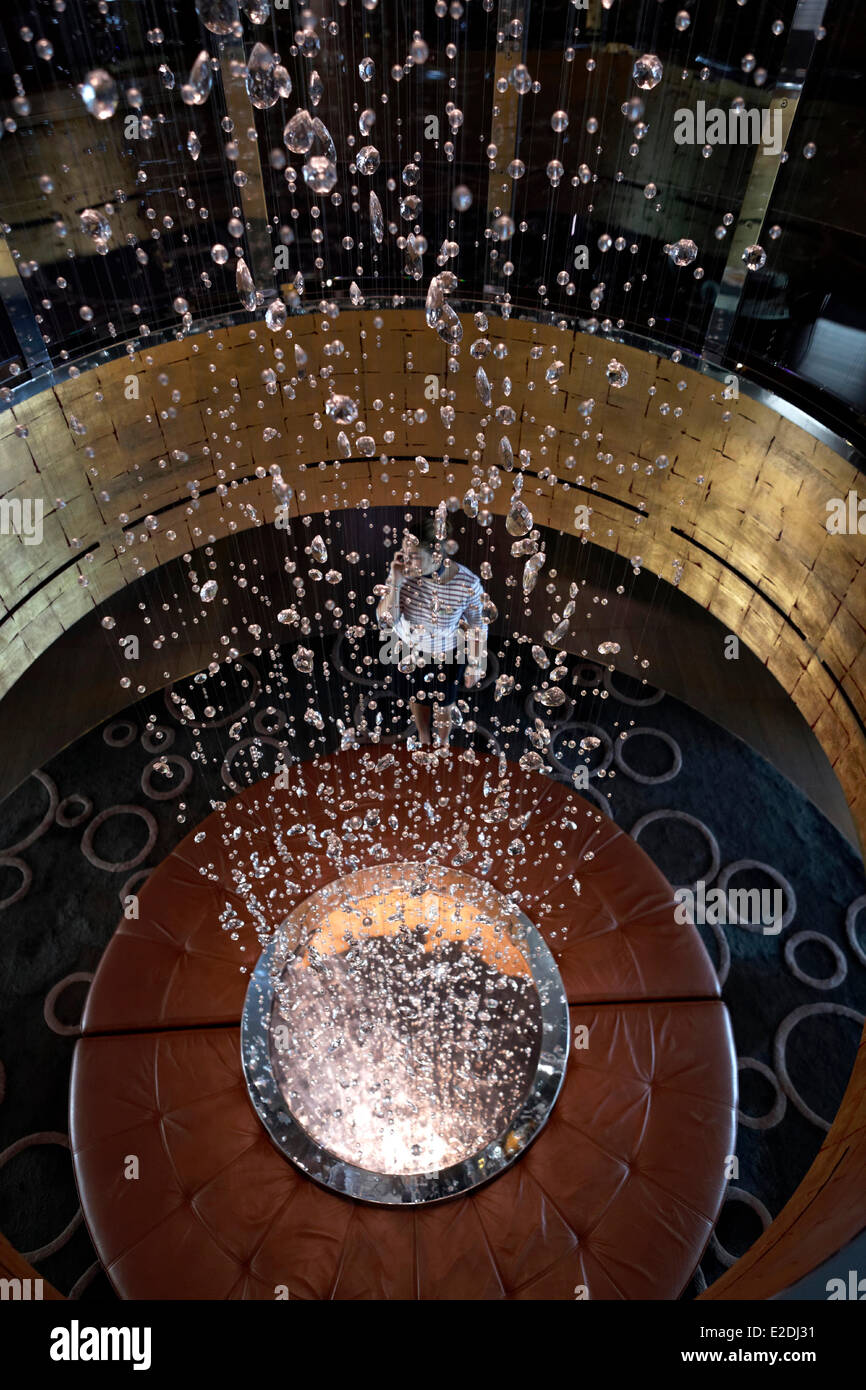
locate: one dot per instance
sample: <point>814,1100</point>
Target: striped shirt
<point>434,610</point>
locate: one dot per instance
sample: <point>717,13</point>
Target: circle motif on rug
<point>724,964</point>
<point>175,709</point>
<point>596,731</point>
<point>740,866</point>
<point>11,861</point>
<point>120,734</point>
<point>491,674</point>
<point>158,740</point>
<point>829,981</point>
<point>590,793</point>
<point>586,674</point>
<point>644,778</point>
<point>68,820</point>
<point>607,677</point>
<point>359,717</point>
<point>551,714</point>
<point>776,1112</point>
<point>171,792</point>
<point>780,1044</point>
<point>269,721</point>
<point>258,741</point>
<point>31,1141</point>
<point>65,1030</point>
<point>352,676</point>
<point>738,1194</point>
<point>487,736</point>
<point>126,864</point>
<point>851,928</point>
<point>133,883</point>
<point>652,817</point>
<point>46,821</point>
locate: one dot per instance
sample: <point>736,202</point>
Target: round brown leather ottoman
<point>616,1197</point>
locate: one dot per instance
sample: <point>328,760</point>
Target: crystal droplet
<point>554,373</point>
<point>320,174</point>
<point>217,16</point>
<point>94,224</point>
<point>483,387</point>
<point>616,374</point>
<point>413,263</point>
<point>246,287</point>
<point>531,762</point>
<point>99,93</point>
<point>342,409</point>
<point>261,79</point>
<point>196,91</point>
<point>315,88</point>
<point>319,550</point>
<point>552,697</point>
<point>303,660</point>
<point>367,159</point>
<point>555,636</point>
<point>377,220</point>
<point>754,257</point>
<point>530,571</point>
<point>519,519</point>
<point>608,648</point>
<point>682,252</point>
<point>355,294</point>
<point>193,144</point>
<point>275,315</point>
<point>298,132</point>
<point>647,72</point>
<point>208,591</point>
<point>440,315</point>
<point>323,135</point>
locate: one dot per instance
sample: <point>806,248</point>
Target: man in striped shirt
<point>432,611</point>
